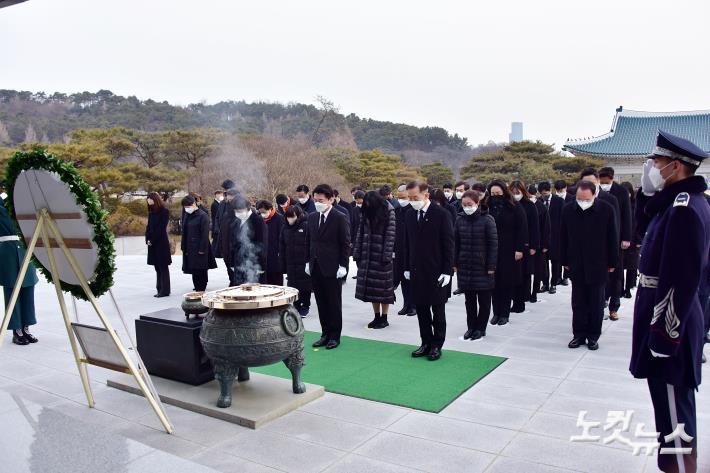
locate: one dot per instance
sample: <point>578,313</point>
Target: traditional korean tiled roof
<point>633,133</point>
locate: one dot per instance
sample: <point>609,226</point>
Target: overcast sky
<point>561,67</point>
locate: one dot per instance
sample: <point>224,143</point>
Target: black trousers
<point>329,299</point>
<point>556,271</point>
<point>199,279</point>
<point>542,272</point>
<point>162,280</point>
<point>304,294</point>
<point>631,266</point>
<point>587,310</point>
<point>432,324</point>
<point>501,301</point>
<point>277,279</point>
<point>478,309</point>
<point>521,292</point>
<point>674,405</point>
<point>407,294</point>
<point>614,289</point>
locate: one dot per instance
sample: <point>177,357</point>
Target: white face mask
<point>302,200</point>
<point>219,198</point>
<point>459,194</point>
<point>470,210</point>
<point>3,196</point>
<point>417,204</point>
<point>605,187</point>
<point>358,206</point>
<point>533,199</point>
<point>242,214</point>
<point>584,204</point>
<point>448,194</point>
<point>657,179</point>
<point>321,207</point>
<point>403,202</point>
<point>264,215</point>
<point>189,210</point>
<point>518,197</point>
<point>562,195</point>
<point>291,220</point>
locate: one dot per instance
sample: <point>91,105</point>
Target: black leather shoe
<point>503,321</point>
<point>382,323</point>
<point>412,313</point>
<point>332,344</point>
<point>564,282</point>
<point>517,309</point>
<point>404,311</point>
<point>19,339</point>
<point>627,294</point>
<point>457,292</point>
<point>552,290</point>
<point>434,354</point>
<point>495,320</point>
<point>421,351</point>
<point>477,334</point>
<point>533,299</point>
<point>544,289</point>
<point>28,336</point>
<point>468,334</point>
<point>321,342</point>
<point>593,345</point>
<point>576,342</point>
<point>374,321</point>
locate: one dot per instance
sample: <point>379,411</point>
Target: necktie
<point>322,220</point>
<point>421,216</point>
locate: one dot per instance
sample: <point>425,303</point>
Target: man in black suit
<point>591,175</point>
<point>400,247</point>
<point>616,280</point>
<point>428,265</point>
<point>218,197</point>
<point>303,199</point>
<point>589,248</point>
<point>553,203</point>
<point>542,263</point>
<point>327,254</point>
<point>459,189</point>
<point>561,192</point>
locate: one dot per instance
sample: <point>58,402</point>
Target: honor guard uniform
<point>668,319</point>
<point>12,253</point>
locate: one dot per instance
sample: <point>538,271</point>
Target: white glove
<point>647,186</point>
<point>659,355</point>
<point>444,280</point>
<point>341,272</point>
<point>407,275</point>
<point>308,269</point>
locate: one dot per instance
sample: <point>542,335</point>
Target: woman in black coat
<point>475,260</point>
<point>512,228</point>
<point>248,246</point>
<point>523,291</point>
<point>197,257</point>
<point>373,252</point>
<point>292,254</point>
<point>274,223</point>
<point>156,237</point>
<point>438,197</point>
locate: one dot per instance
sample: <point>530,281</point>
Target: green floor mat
<point>386,372</point>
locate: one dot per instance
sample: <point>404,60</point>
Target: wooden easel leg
<point>18,283</point>
<point>54,269</point>
<point>153,401</point>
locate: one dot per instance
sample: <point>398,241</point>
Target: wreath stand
<point>101,346</point>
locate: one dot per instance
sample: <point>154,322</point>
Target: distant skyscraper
<point>516,132</point>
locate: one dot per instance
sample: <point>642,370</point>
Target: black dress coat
<point>625,220</point>
<point>274,227</point>
<point>373,252</point>
<point>589,242</point>
<point>213,214</point>
<point>224,241</point>
<point>292,253</point>
<point>533,223</point>
<point>195,243</point>
<point>355,215</point>
<point>330,245</point>
<point>248,248</point>
<point>543,217</point>
<point>429,254</point>
<point>399,243</point>
<point>512,228</point>
<point>555,217</point>
<point>475,251</point>
<point>156,232</point>
<point>308,208</point>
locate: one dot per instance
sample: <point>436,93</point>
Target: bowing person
<point>428,264</point>
<point>197,257</point>
<point>249,244</point>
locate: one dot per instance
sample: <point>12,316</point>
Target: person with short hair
<point>554,204</point>
<point>283,202</point>
<point>400,246</point>
<point>448,190</point>
<point>475,259</point>
<point>218,197</point>
<point>304,200</point>
<point>428,264</point>
<point>197,256</point>
<point>356,215</point>
<point>292,255</point>
<point>589,242</point>
<point>158,242</point>
<point>328,254</point>
<point>274,223</point>
<point>226,222</point>
<point>249,240</point>
<point>561,191</point>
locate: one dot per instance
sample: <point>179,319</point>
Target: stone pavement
<point>517,419</point>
